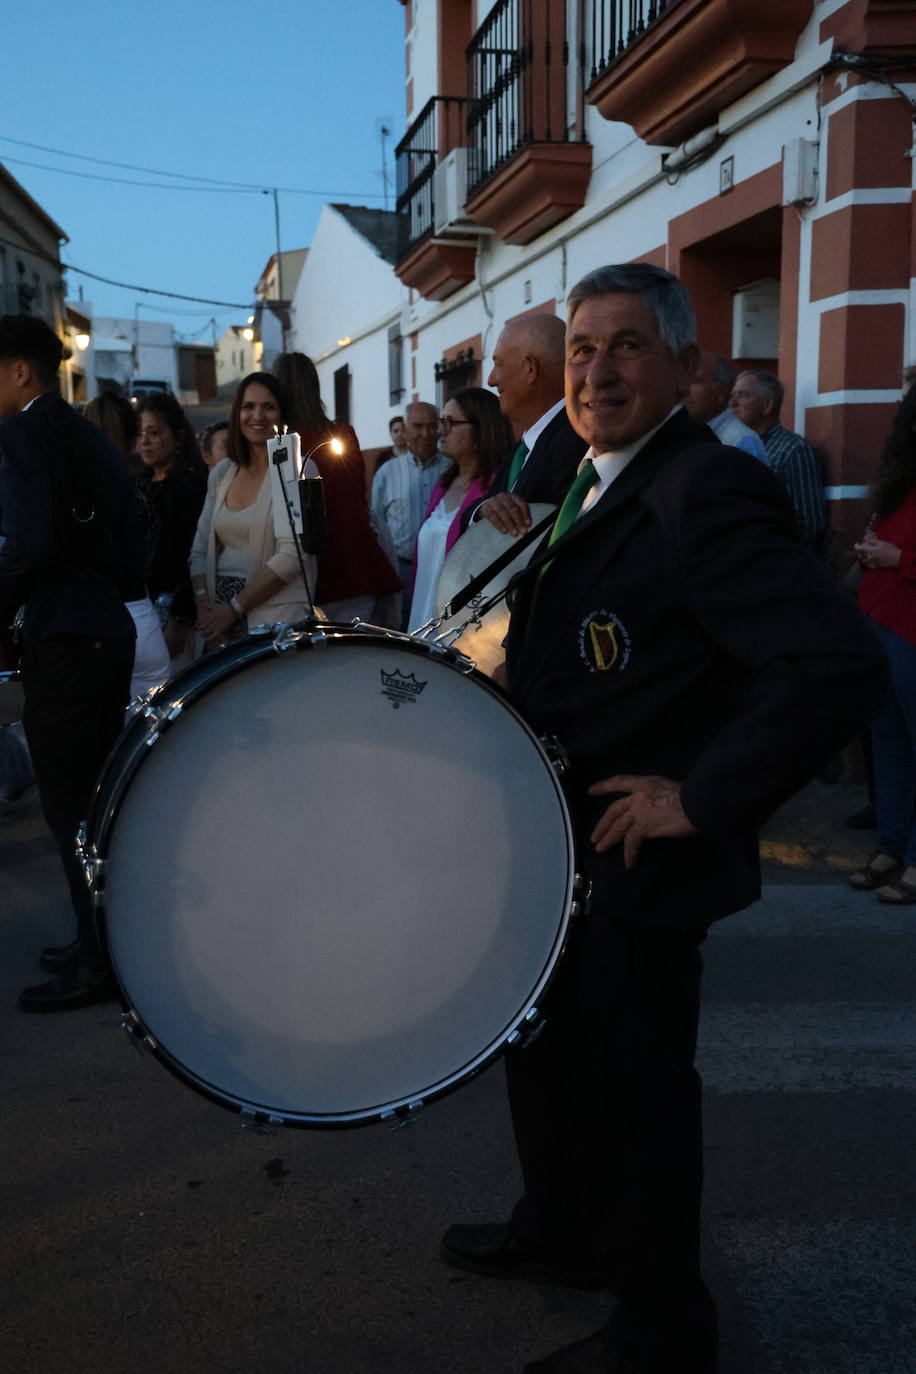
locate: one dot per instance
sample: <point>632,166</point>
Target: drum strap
<point>477,584</point>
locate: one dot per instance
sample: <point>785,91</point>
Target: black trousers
<point>607,1115</point>
<point>76,690</point>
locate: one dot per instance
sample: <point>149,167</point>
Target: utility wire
<point>128,181</point>
<point>172,310</point>
<point>219,183</point>
<point>126,286</point>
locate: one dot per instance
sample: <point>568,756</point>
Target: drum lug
<point>318,639</point>
<point>93,867</point>
<point>260,1123</point>
<point>582,887</point>
<point>526,1034</point>
<point>163,718</point>
<point>287,638</point>
<point>406,1115</point>
<point>161,714</point>
<point>139,1038</point>
<point>557,755</point>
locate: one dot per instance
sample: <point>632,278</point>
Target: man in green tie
<point>697,665</point>
<point>528,362</point>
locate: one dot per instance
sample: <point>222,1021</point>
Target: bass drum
<point>334,872</point>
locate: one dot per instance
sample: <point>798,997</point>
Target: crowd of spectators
<point>214,564</point>
<point>738,634</point>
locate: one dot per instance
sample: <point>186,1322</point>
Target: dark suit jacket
<point>549,468</point>
<point>681,629</point>
<point>73,552</point>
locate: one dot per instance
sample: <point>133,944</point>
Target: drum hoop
<point>102,820</point>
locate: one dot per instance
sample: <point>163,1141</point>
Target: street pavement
<point>144,1232</point>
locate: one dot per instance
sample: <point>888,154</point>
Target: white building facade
<point>346,316</point>
<point>761,153</point>
<point>274,292</point>
<point>237,353</point>
<point>124,349</point>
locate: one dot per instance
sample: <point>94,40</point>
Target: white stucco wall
<point>629,206</point>
<point>347,290</point>
<point>150,347</point>
<point>631,202</point>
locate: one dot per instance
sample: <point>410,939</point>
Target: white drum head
<point>337,881</point>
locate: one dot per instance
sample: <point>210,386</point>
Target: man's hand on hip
<point>651,810</point>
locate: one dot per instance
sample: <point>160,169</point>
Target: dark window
<point>454,373</point>
<point>395,364</point>
<point>342,395</point>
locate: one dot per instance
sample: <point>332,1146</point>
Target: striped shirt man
<point>792,459</point>
<point>400,494</point>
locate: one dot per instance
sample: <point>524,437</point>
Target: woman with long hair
<point>243,573</point>
<point>476,436</point>
<point>116,418</point>
<point>887,595</point>
<point>354,575</point>
<point>174,487</point>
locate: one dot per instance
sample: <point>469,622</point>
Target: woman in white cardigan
<point>242,574</point>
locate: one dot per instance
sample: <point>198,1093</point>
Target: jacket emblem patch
<point>603,642</point>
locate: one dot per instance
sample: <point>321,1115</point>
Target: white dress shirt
<point>534,432</point>
<point>610,465</point>
<point>529,438</point>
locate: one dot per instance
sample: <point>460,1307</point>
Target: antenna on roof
<point>383,125</point>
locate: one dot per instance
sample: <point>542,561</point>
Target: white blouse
<point>430,557</point>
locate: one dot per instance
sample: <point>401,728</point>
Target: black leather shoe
<point>79,986</point>
<point>597,1355</point>
<point>497,1252</point>
<point>56,958</point>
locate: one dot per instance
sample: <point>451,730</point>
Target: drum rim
<point>198,680</point>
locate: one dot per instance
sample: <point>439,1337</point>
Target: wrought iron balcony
<point>440,126</point>
<point>517,75</point>
<point>616,25</point>
<point>668,67</point>
<point>528,164</point>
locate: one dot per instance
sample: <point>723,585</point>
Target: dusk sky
<point>286,93</point>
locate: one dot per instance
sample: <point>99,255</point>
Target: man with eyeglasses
<point>402,487</point>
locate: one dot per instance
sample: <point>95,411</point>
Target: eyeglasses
<point>446,424</point>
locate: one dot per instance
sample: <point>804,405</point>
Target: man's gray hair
<point>665,296</point>
<point>419,405</point>
<point>769,387</point>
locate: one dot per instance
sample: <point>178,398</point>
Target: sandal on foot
<point>868,878</point>
<point>897,892</point>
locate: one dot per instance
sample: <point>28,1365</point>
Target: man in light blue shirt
<point>402,487</point>
<point>707,400</point>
